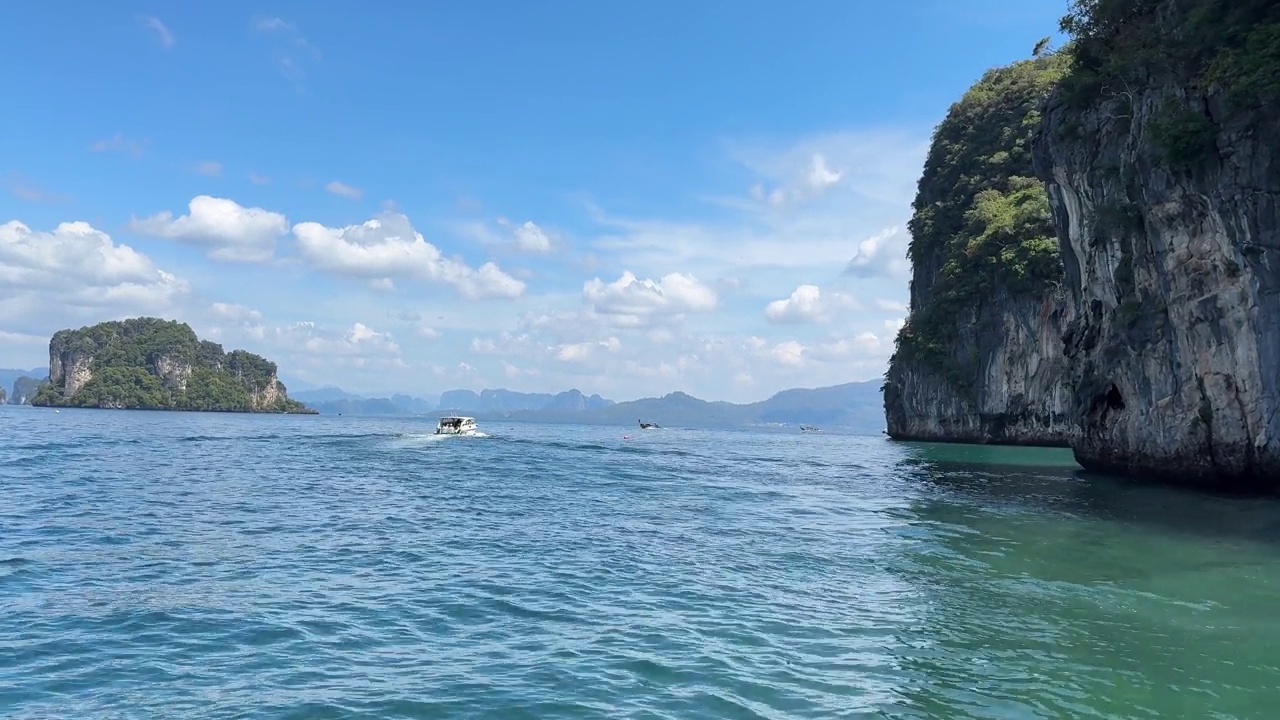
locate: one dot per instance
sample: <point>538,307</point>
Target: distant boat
<point>810,428</point>
<point>648,426</point>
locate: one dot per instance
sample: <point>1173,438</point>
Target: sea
<point>190,565</point>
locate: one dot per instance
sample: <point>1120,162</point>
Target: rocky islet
<point>1157,352</point>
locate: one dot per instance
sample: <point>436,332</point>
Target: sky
<point>625,198</point>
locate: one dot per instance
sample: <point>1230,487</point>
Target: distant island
<point>153,364</point>
<point>23,384</point>
<point>856,407</point>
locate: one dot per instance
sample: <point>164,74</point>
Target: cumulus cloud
<point>855,185</point>
<point>230,231</point>
<point>793,353</point>
<point>820,177</point>
<point>389,247</point>
<point>880,254</point>
<point>79,264</point>
<point>526,237</point>
<point>634,302</point>
<point>232,311</point>
<point>358,340</point>
<point>788,353</point>
<point>530,237</point>
<point>344,190</point>
<point>808,303</point>
<point>585,351</point>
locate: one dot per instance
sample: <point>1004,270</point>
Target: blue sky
<point>629,199</point>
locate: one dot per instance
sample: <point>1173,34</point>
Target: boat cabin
<point>455,425</point>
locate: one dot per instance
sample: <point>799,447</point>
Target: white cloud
<point>853,186</point>
<point>513,372</point>
<point>344,190</point>
<point>879,254</point>
<point>36,343</point>
<point>258,179</point>
<point>291,50</point>
<point>163,35</point>
<point>793,353</point>
<point>231,311</point>
<point>230,231</point>
<point>209,168</point>
<point>585,351</point>
<point>630,301</point>
<point>894,325</point>
<point>891,305</point>
<point>864,343</point>
<point>820,176</point>
<point>120,142</point>
<point>359,340</point>
<point>389,247</point>
<point>526,237</point>
<point>80,265</point>
<point>788,353</point>
<point>799,186</point>
<point>807,303</point>
<point>530,237</point>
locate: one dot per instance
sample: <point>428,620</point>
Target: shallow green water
<point>171,565</point>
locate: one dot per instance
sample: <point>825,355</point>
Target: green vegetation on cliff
<point>1227,45</point>
<point>982,224</point>
<point>153,364</point>
<point>1120,48</point>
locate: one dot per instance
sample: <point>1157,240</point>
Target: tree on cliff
<point>1233,45</point>
<point>982,224</point>
<point>153,364</point>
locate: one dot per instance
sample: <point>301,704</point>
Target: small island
<point>155,364</point>
<point>24,388</point>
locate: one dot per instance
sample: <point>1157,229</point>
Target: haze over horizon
<point>708,198</point>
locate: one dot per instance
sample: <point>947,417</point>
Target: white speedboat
<point>456,425</point>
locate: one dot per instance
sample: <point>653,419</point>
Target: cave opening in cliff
<point>1115,401</point>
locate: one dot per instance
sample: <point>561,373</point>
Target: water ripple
<point>280,567</point>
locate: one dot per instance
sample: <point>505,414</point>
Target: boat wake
<point>421,438</point>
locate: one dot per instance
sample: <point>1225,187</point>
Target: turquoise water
<point>191,565</point>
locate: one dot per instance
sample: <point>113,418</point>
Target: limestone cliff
<point>147,363</point>
<point>979,359</point>
<point>1161,154</point>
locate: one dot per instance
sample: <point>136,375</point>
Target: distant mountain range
<point>857,407</point>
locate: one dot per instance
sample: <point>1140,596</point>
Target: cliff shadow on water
<point>1047,481</point>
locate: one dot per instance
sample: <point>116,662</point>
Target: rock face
<point>152,364</point>
<point>24,388</point>
<point>1019,396</point>
<point>979,359</point>
<point>69,368</point>
<point>1164,179</point>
